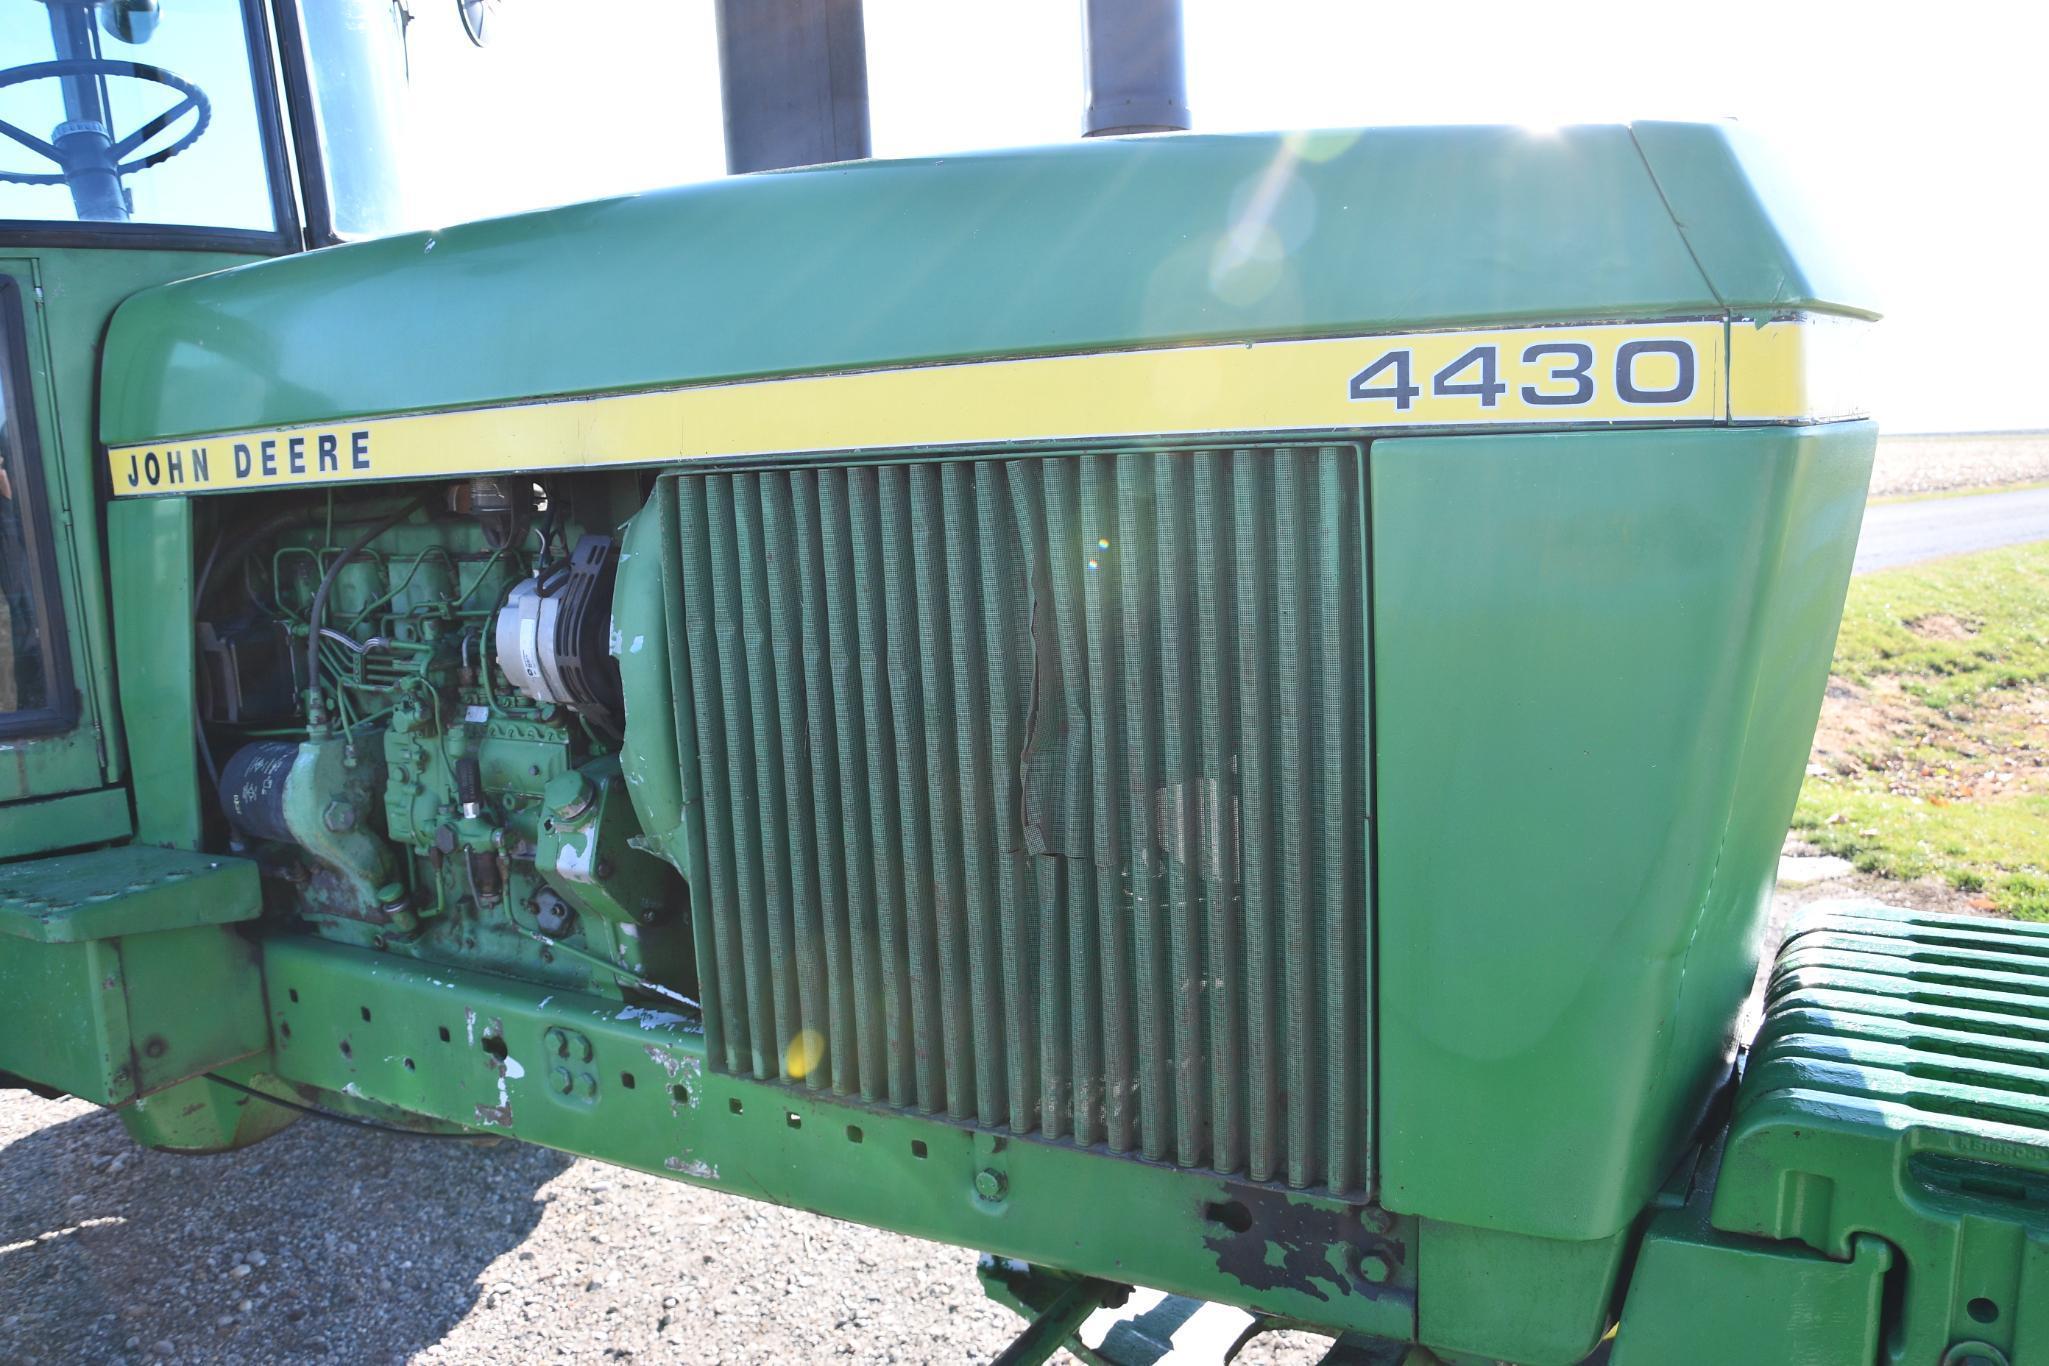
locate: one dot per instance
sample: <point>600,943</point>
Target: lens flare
<point>805,1052</point>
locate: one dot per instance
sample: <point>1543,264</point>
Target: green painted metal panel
<point>1698,1301</point>
<point>1086,246</point>
<point>131,889</point>
<point>1745,219</point>
<point>151,567</point>
<point>119,975</point>
<point>631,1085</point>
<point>1898,1087</point>
<point>58,1033</point>
<point>197,1116</point>
<point>1598,662</point>
<point>1035,794</point>
<point>1509,1297</point>
<point>64,822</point>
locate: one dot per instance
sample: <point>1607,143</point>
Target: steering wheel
<point>109,158</point>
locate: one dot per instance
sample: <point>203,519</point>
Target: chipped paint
<point>652,1019</point>
<point>681,1068</point>
<point>1281,1242</point>
<point>690,1166</point>
<point>500,1115</point>
<point>512,1070</point>
<point>661,990</point>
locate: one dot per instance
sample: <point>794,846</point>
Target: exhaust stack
<point>795,79</point>
<point>1136,72</point>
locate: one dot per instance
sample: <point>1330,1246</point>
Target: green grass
<point>1964,640</point>
<point>2000,595</point>
<point>1970,491</point>
<point>1992,847</point>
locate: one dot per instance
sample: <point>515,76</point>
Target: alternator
<point>553,632</point>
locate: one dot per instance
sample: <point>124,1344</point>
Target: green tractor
<point>1203,713</point>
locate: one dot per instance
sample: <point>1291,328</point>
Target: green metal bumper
<point>629,1085</point>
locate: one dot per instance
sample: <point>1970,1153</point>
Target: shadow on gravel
<point>357,1246</point>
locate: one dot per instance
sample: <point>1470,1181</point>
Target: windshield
<point>130,111</point>
<point>357,68</point>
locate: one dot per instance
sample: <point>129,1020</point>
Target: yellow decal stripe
<point>1814,369</point>
<point>1626,372</point>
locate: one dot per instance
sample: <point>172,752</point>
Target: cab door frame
<point>59,768</point>
<point>29,493</point>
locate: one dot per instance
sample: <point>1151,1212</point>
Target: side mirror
<point>477,19</point>
<point>131,21</point>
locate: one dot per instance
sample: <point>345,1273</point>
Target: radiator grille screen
<point>1034,794</point>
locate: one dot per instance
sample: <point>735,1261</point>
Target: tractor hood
<point>1084,247</point>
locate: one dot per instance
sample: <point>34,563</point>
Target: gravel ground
<point>331,1243</point>
<point>1932,464</point>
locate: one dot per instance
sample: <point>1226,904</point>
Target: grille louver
<point>1035,794</point>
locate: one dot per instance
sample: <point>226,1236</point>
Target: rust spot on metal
<point>1270,1240</point>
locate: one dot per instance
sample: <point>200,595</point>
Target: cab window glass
<point>130,111</point>
<point>31,668</point>
<point>356,63</point>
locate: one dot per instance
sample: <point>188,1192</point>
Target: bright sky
<point>1919,130</point>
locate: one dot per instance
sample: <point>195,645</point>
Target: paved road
<point>1926,528</point>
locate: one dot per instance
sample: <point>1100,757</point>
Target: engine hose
<point>315,713</point>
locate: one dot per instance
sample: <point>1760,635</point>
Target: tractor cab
<point>143,141</point>
<point>199,122</point>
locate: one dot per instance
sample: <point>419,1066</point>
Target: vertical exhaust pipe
<point>794,76</point>
<point>1135,69</point>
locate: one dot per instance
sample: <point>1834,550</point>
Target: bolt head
<point>1375,1269</point>
<point>561,1078</point>
<point>1377,1219</point>
<point>991,1184</point>
<point>558,1042</point>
